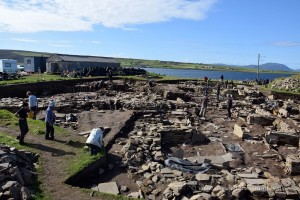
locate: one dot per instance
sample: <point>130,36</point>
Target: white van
<point>8,66</point>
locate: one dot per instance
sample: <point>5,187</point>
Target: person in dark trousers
<point>22,114</point>
<point>206,89</point>
<point>231,83</point>
<point>218,92</point>
<point>222,78</point>
<point>110,75</point>
<point>226,84</point>
<point>229,106</point>
<point>33,103</point>
<point>94,141</point>
<point>50,119</point>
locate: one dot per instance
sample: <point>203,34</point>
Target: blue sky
<point>200,31</point>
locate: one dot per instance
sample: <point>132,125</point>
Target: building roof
<point>77,58</point>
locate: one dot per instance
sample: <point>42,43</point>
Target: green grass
<point>37,127</point>
<point>34,78</point>
<point>127,62</point>
<point>82,160</point>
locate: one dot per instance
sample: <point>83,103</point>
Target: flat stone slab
<point>110,187</point>
<point>257,181</point>
<point>166,171</point>
<point>216,160</point>
<point>248,175</point>
<point>202,177</point>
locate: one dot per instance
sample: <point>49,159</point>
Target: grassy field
<point>126,62</point>
<point>33,78</point>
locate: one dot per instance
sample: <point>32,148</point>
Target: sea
<point>228,75</point>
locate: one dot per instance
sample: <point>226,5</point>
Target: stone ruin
<point>256,155</point>
<point>17,175</point>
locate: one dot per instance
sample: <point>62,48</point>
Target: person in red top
<point>22,114</point>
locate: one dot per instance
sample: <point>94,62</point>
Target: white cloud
<point>96,42</point>
<point>61,45</point>
<point>286,44</point>
<point>25,40</point>
<point>78,15</point>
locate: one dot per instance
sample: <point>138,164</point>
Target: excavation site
<point>162,142</point>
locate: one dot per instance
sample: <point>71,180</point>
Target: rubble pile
<point>17,169</point>
<point>289,84</point>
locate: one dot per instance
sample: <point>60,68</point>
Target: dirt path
<point>56,155</point>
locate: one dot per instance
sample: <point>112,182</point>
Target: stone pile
<point>289,84</point>
<point>17,173</point>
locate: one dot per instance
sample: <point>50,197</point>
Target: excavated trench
<point>90,175</point>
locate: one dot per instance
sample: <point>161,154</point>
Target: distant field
<point>127,62</point>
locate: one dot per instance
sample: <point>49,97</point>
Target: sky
<point>198,31</point>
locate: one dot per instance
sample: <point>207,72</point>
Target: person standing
<point>222,78</point>
<point>229,106</point>
<point>110,75</point>
<point>203,107</point>
<point>33,103</point>
<point>22,114</point>
<point>50,119</point>
<point>226,84</point>
<point>218,92</point>
<point>94,141</point>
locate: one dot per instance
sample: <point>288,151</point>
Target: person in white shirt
<point>94,141</point>
<point>33,103</point>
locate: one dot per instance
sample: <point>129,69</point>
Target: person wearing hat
<point>22,114</point>
<point>33,103</point>
<point>50,119</point>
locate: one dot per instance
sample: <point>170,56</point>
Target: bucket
<point>30,115</point>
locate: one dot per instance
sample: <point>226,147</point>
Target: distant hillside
<point>19,54</point>
<point>270,66</point>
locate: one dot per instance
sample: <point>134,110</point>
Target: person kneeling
<point>94,141</point>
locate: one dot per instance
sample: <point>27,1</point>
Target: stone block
<point>207,188</point>
<point>203,196</point>
<point>291,193</point>
<point>257,181</point>
<point>258,190</point>
<point>238,131</point>
<point>262,120</point>
<point>283,138</point>
<point>292,164</point>
<point>110,187</point>
<point>177,187</point>
<point>248,176</point>
<point>202,177</point>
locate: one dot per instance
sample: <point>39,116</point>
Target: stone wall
<point>38,88</point>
